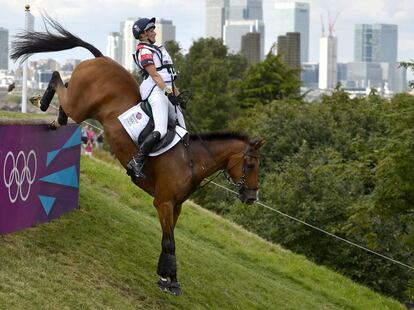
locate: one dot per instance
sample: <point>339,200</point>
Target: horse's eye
<point>250,166</point>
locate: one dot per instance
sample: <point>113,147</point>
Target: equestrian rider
<point>157,88</point>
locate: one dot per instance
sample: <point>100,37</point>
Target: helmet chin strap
<point>150,41</point>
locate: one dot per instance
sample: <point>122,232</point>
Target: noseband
<point>241,184</point>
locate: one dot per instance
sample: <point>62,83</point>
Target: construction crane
<point>332,23</point>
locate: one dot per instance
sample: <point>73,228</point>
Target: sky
<point>93,20</point>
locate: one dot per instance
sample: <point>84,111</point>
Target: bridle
<point>241,184</point>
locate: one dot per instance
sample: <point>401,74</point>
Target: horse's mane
<point>211,136</point>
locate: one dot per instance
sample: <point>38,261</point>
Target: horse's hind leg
<point>56,85</point>
<point>50,91</point>
<point>62,117</point>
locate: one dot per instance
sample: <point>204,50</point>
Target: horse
<point>101,89</point>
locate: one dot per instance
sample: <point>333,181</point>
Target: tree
<point>174,49</point>
<point>207,72</point>
<point>266,81</point>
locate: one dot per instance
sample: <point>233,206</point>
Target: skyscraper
<point>376,43</point>
<point>246,9</point>
<point>114,46</point>
<point>244,16</point>
<point>4,49</point>
<point>165,31</point>
<point>235,29</point>
<point>250,47</point>
<point>328,75</point>
<point>375,55</point>
<point>288,46</point>
<point>293,17</point>
<point>216,15</point>
<point>128,44</point>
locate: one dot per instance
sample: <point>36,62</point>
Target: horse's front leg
<point>167,263</point>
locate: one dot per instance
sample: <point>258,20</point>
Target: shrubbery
<point>344,165</point>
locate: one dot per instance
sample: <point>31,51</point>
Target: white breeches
<point>161,109</point>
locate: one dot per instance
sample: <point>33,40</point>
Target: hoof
<point>169,287</point>
<point>35,100</point>
<point>53,125</point>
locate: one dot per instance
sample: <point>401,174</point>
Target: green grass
<point>104,256</point>
<point>19,115</point>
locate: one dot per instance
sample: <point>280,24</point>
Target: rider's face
<point>151,35</point>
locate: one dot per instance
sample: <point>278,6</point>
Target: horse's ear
<point>258,144</point>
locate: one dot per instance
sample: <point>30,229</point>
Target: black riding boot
<point>136,164</point>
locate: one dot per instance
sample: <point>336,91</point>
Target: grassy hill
<point>104,256</point>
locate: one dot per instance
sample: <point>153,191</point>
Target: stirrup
<point>134,171</point>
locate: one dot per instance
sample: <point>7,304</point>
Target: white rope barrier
<point>322,231</point>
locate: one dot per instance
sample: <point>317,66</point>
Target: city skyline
<point>189,18</point>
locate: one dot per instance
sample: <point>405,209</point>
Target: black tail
<point>31,42</point>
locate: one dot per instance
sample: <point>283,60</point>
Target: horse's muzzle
<point>248,195</point>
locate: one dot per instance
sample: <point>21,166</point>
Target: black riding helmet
<point>142,25</point>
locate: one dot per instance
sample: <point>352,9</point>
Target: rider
<point>157,88</point>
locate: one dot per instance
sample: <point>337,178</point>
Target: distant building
<point>328,62</point>
<point>292,17</point>
<point>375,58</point>
<point>216,15</point>
<point>43,78</point>
<point>243,17</point>
<point>288,46</point>
<point>70,64</point>
<point>129,44</point>
<point>400,80</point>
<point>165,31</point>
<point>310,75</point>
<point>44,65</point>
<point>376,43</point>
<point>364,74</point>
<point>4,49</point>
<point>114,46</point>
<point>235,29</point>
<point>250,47</point>
<point>245,10</point>
<point>342,72</point>
<point>377,75</point>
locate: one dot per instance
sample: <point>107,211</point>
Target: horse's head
<point>243,169</point>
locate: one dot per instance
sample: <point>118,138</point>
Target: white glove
<point>167,90</point>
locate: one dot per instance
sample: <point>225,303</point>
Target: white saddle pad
<point>134,121</point>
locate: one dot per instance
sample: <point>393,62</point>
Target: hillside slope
<point>104,256</point>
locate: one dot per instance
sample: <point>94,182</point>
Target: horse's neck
<point>212,156</point>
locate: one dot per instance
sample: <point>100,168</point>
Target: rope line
<point>321,230</point>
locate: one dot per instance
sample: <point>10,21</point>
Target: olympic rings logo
<point>20,174</point>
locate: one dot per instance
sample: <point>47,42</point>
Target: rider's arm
<point>152,71</point>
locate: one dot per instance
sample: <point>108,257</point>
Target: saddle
<point>168,138</point>
<point>138,122</point>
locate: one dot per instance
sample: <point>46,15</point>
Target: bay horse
<point>101,89</point>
